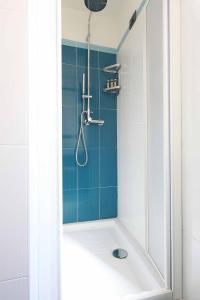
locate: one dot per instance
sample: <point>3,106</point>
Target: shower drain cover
<point>120,253</point>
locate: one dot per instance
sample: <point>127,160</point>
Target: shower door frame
<point>45,149</point>
<point>45,152</point>
<point>175,147</point>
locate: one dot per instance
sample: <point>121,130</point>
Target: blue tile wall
<point>89,193</point>
<point>70,206</point>
<point>88,204</point>
<point>108,207</point>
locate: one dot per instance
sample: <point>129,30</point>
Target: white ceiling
<point>112,9</point>
<point>108,26</point>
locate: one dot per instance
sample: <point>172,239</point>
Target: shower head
<point>95,5</point>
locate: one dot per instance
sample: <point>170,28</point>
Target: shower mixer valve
<point>88,120</point>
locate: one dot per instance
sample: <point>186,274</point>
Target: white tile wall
<point>17,5</point>
<point>14,289</point>
<point>13,151</point>
<point>13,77</point>
<point>13,212</point>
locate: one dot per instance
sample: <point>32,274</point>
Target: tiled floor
<point>90,272</point>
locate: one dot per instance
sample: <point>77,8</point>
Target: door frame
<point>176,147</point>
<point>45,148</point>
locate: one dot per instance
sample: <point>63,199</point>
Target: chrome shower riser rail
<point>88,40</point>
<point>86,118</point>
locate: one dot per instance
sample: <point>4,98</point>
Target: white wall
<point>191,148</point>
<point>132,132</point>
<point>13,151</point>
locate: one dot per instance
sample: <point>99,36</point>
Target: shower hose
<point>81,136</point>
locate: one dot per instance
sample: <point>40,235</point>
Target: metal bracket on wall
<point>113,69</point>
<point>132,20</point>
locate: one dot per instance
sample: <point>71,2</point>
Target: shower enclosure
<point>116,164</point>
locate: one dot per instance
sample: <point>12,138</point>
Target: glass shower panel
<point>155,94</point>
<point>132,132</point>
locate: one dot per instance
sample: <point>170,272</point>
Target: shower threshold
<point>89,270</point>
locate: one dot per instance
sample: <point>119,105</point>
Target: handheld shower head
<point>95,5</point>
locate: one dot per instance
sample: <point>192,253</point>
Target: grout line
<point>103,109</point>
<point>77,121</point>
<point>76,56</point>
<point>83,45</point>
<point>92,148</point>
<point>14,145</point>
<point>91,188</point>
<point>99,139</point>
<point>108,187</point>
<point>69,65</point>
<point>13,279</point>
<point>20,11</point>
<point>117,110</point>
<point>80,66</point>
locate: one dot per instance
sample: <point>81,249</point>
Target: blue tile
<point>69,85</point>
<point>108,167</point>
<point>69,97</point>
<point>88,204</point>
<point>69,79</point>
<point>94,59</point>
<point>70,206</point>
<point>70,120</point>
<point>108,203</point>
<point>107,100</point>
<point>107,59</point>
<point>95,86</point>
<point>108,132</point>
<point>69,55</point>
<point>88,176</point>
<point>69,169</point>
<point>82,57</point>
